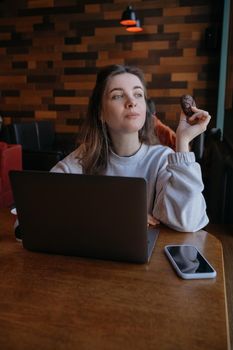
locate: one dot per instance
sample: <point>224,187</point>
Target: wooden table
<point>57,302</point>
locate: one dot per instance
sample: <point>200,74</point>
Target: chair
<point>217,171</point>
<point>10,159</point>
<point>197,146</point>
<point>38,140</point>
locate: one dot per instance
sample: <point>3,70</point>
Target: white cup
<point>18,235</point>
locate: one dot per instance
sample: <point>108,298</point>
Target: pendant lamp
<point>128,17</point>
<point>135,28</point>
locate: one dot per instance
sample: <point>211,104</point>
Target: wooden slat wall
<point>50,51</point>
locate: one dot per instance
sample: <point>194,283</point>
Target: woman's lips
<point>132,115</point>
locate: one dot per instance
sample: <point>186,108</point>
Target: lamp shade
<point>128,17</point>
<point>135,28</point>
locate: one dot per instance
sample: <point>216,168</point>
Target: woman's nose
<point>131,102</point>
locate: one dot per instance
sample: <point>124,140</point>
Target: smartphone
<point>188,262</point>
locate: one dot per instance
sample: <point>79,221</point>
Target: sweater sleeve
<point>179,202</point>
<point>69,164</point>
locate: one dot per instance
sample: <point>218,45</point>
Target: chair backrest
<point>46,134</point>
<point>217,171</point>
<point>25,134</point>
<point>197,146</point>
<point>37,139</point>
<point>33,136</point>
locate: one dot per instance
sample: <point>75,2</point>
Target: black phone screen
<point>189,260</point>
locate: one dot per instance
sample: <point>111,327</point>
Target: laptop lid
<point>83,215</point>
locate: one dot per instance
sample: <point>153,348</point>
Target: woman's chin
<point>134,126</point>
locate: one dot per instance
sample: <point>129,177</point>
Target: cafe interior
<point>50,53</point>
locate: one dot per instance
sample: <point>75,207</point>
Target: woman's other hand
<point>151,221</point>
<point>190,127</point>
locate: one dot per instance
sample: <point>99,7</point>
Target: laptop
<point>93,216</point>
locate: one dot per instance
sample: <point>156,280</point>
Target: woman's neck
<point>125,145</point>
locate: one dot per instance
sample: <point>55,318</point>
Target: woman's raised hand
<point>190,127</point>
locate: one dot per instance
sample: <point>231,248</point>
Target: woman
<point>118,137</point>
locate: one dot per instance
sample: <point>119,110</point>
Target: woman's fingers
<point>200,117</point>
<point>151,221</point>
<point>200,114</point>
<point>190,127</point>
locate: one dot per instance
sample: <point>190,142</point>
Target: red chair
<point>10,159</point>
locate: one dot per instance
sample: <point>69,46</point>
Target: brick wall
<point>50,51</point>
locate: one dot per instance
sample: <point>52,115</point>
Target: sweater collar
<point>130,159</point>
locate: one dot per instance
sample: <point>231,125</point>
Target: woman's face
<point>123,104</point>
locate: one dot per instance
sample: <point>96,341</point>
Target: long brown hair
<point>95,138</point>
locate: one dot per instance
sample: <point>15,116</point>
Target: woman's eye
<point>116,97</point>
<point>139,94</point>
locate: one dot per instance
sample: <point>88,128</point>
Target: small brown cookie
<point>187,101</point>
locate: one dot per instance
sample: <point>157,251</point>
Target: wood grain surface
<point>61,302</point>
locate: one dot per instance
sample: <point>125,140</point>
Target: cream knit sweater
<point>174,183</point>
